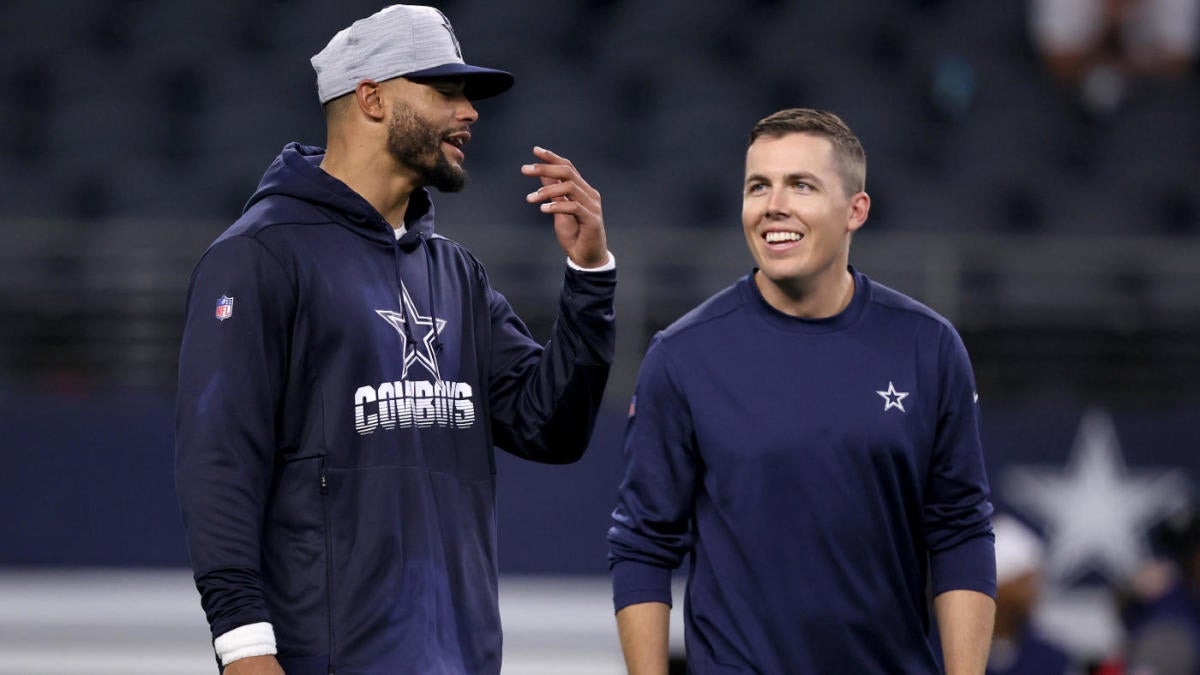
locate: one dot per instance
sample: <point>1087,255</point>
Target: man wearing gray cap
<point>345,373</point>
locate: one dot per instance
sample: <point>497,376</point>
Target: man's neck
<point>375,177</point>
<point>819,299</point>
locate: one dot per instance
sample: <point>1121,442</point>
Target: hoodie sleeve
<point>231,378</point>
<point>544,400</point>
<point>957,507</point>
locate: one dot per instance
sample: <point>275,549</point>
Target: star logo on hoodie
<point>417,335</point>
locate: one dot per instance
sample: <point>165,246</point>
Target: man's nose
<point>467,112</point>
<point>777,203</point>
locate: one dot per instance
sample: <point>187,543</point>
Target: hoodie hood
<point>297,173</point>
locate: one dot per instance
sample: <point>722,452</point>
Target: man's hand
<point>255,665</point>
<point>578,221</point>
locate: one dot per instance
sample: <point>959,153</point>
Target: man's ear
<point>860,205</point>
<point>369,99</point>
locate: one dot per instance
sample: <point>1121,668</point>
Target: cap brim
<point>479,82</point>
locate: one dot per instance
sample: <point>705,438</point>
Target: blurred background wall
<point>1053,214</point>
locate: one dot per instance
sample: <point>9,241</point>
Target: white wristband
<point>610,265</point>
<point>255,639</point>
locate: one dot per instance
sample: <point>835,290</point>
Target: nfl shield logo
<point>224,307</point>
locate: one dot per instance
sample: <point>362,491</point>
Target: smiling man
<point>811,438</point>
<point>345,374</point>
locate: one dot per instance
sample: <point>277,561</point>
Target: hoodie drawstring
<point>405,318</point>
<point>429,281</point>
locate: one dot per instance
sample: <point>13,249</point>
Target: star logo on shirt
<point>893,398</point>
<point>423,330</point>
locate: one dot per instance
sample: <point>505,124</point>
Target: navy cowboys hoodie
<point>340,394</point>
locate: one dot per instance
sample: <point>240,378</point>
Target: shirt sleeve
<point>957,506</point>
<point>545,399</point>
<point>232,367</point>
<point>651,524</point>
<point>610,265</point>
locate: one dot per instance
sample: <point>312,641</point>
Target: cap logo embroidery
<point>453,37</point>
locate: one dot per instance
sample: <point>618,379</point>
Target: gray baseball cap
<point>408,41</point>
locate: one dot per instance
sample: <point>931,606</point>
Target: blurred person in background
<point>811,437</point>
<point>1097,45</point>
<point>1161,606</point>
<point>345,374</point>
<point>1017,646</point>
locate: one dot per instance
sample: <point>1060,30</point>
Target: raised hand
<point>578,219</point>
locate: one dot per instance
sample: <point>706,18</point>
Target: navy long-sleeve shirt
<point>814,469</point>
<point>340,394</point>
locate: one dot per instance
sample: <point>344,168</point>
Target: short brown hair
<point>848,152</point>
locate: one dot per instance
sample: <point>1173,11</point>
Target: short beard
<point>416,144</point>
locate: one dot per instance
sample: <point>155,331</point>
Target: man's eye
<point>448,89</point>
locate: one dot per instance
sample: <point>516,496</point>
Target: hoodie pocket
<point>295,560</point>
<point>414,578</point>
